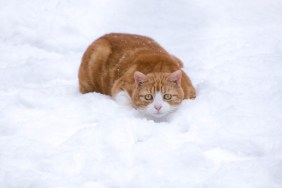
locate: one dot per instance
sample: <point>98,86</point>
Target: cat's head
<point>157,94</point>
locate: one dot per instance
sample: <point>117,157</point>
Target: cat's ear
<point>176,77</point>
<point>140,78</point>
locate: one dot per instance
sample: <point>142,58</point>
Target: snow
<point>230,136</point>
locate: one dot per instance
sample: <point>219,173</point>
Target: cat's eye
<point>167,96</point>
<point>148,97</point>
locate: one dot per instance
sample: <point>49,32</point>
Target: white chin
<point>153,115</point>
<point>157,115</point>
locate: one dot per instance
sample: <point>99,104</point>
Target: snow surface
<point>51,136</point>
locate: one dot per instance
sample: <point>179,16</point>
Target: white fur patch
<point>123,98</point>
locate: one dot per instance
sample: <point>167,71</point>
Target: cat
<point>136,71</point>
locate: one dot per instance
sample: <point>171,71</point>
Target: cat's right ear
<point>140,78</point>
<point>176,77</point>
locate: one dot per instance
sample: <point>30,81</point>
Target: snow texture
<point>230,136</point>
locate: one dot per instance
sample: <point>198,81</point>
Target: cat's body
<point>130,68</point>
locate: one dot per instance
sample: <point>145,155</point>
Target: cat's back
<point>139,53</point>
<point>130,42</point>
<point>110,56</point>
<point>115,56</point>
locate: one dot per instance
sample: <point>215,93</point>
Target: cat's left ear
<point>176,77</point>
<point>140,78</point>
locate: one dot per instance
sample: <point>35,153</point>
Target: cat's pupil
<point>167,96</point>
<point>148,97</point>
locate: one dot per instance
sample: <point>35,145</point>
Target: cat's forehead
<point>158,74</point>
<point>157,86</point>
<point>157,82</point>
<point>157,77</point>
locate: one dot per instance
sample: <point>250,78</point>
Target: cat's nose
<point>158,107</point>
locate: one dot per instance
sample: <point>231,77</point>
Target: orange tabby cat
<point>135,71</point>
